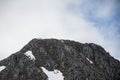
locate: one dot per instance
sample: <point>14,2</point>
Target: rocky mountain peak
<point>76,61</point>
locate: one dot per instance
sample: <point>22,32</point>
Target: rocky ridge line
<point>76,61</point>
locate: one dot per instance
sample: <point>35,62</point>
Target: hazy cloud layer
<point>80,20</point>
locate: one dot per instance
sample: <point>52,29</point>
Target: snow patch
<point>53,75</point>
<point>89,60</point>
<point>30,55</point>
<point>62,41</point>
<point>2,68</point>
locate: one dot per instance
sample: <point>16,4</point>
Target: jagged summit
<point>76,61</point>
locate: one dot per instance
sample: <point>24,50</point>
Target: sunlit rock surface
<point>75,61</point>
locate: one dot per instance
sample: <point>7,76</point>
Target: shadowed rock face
<point>75,60</point>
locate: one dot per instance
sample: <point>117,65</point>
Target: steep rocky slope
<point>75,60</point>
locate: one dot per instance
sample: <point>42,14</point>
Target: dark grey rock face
<point>75,60</point>
<point>20,67</point>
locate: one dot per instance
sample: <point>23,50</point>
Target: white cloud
<point>22,20</point>
<point>106,10</point>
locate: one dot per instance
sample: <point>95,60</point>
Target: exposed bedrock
<point>76,61</point>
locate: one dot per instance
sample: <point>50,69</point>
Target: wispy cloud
<point>102,14</point>
<point>79,20</point>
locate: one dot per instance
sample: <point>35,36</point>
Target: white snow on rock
<point>86,78</point>
<point>30,55</point>
<point>2,68</point>
<point>89,60</point>
<point>62,41</point>
<point>53,75</point>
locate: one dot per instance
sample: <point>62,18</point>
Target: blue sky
<point>92,21</point>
